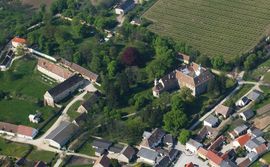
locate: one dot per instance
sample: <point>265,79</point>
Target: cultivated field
<point>223,27</point>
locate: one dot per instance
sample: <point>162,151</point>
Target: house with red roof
<point>214,159</point>
<point>16,41</point>
<point>241,140</point>
<point>26,132</point>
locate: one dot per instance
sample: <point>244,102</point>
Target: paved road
<point>211,111</point>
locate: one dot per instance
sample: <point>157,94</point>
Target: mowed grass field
<point>26,89</point>
<point>223,27</point>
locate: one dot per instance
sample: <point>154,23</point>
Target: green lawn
<point>72,112</point>
<point>267,77</point>
<point>36,155</point>
<point>266,157</point>
<point>13,149</point>
<point>87,148</point>
<point>26,90</point>
<point>212,26</point>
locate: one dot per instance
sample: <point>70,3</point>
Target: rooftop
<point>242,140</point>
<point>147,154</point>
<point>214,157</point>
<point>62,87</point>
<point>101,144</point>
<point>211,120</point>
<point>19,40</point>
<point>63,132</point>
<point>60,71</point>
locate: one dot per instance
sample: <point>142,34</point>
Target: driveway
<point>187,157</point>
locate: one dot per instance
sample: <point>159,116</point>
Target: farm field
<point>227,28</point>
<point>25,89</point>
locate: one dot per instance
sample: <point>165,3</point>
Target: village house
<point>147,156</point>
<point>239,130</point>
<point>193,145</point>
<point>208,132</point>
<point>87,104</point>
<point>246,115</point>
<point>242,102</point>
<point>89,75</point>
<point>101,146</point>
<point>163,162</point>
<point>222,110</point>
<point>241,140</point>
<point>254,143</point>
<point>211,121</point>
<point>80,120</point>
<point>18,130</point>
<point>102,161</point>
<point>168,140</point>
<point>153,139</point>
<point>166,83</point>
<point>127,154</point>
<point>214,159</point>
<point>202,153</point>
<point>217,143</point>
<point>52,70</point>
<point>192,76</point>
<point>124,7</point>
<point>63,90</point>
<point>183,58</point>
<point>16,42</point>
<point>254,95</point>
<point>61,134</point>
<point>254,132</point>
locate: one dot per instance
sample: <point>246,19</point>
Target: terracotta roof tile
<point>261,149</point>
<point>60,71</point>
<point>25,130</point>
<point>214,157</point>
<point>19,40</point>
<point>242,140</point>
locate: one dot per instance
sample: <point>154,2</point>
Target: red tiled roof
<point>60,71</point>
<point>202,151</point>
<point>261,149</point>
<point>214,157</point>
<point>189,165</point>
<point>79,69</point>
<point>242,140</point>
<point>216,143</point>
<point>25,130</point>
<point>19,40</point>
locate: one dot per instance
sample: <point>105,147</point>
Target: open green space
<point>72,112</point>
<point>266,157</point>
<point>9,148</point>
<point>18,150</point>
<point>222,27</point>
<point>87,148</point>
<point>25,89</point>
<point>41,156</point>
<point>267,77</point>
